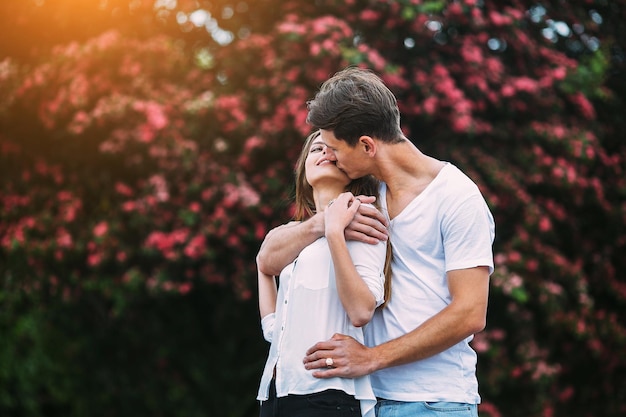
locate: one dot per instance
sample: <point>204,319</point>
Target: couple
<point>413,357</point>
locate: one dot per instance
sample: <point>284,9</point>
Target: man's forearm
<point>283,244</point>
<point>427,340</point>
<point>464,316</point>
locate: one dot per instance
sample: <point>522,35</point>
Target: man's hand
<point>350,359</point>
<point>368,225</point>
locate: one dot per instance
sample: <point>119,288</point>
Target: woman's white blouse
<point>308,310</point>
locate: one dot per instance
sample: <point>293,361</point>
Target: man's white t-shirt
<point>446,227</point>
<point>308,310</point>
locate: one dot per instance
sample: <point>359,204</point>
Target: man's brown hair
<point>356,102</point>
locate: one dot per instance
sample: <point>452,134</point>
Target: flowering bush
<point>142,165</point>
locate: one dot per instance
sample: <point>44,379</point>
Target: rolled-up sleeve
<point>267,325</point>
<point>369,261</point>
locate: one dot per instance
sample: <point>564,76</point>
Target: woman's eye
<point>316,149</point>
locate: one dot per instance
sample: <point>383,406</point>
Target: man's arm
<point>284,243</point>
<point>464,316</point>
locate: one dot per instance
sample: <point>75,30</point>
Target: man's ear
<point>368,144</point>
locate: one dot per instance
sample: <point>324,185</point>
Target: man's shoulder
<point>454,181</point>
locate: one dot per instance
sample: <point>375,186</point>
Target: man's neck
<point>407,172</point>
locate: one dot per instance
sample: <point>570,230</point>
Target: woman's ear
<point>368,144</point>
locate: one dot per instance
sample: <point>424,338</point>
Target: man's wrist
<point>376,362</point>
<point>317,225</point>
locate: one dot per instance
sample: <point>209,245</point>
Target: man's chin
<point>344,171</point>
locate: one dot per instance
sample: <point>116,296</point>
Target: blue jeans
<point>390,408</point>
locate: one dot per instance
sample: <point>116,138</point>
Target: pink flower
<point>156,115</point>
<point>63,238</point>
<point>559,73</point>
<point>499,19</point>
<point>69,212</point>
<point>507,90</point>
<point>584,105</point>
<point>376,59</point>
<point>160,187</point>
<point>231,196</point>
<point>315,49</point>
<point>455,9</point>
<point>494,67</point>
<point>100,229</point>
<point>526,84</point>
<point>253,143</point>
<point>196,247</point>
<point>123,189</point>
<point>430,105</point>
<point>369,15</point>
<point>294,28</point>
<point>195,207</point>
<point>545,224</point>
<point>106,40</point>
<point>129,206</point>
<point>329,46</point>
<point>94,259</point>
<point>472,54</point>
<point>233,241</point>
<point>184,288</point>
<point>532,265</point>
<point>554,288</point>
<point>146,133</point>
<point>566,394</point>
<point>259,231</point>
<point>461,123</point>
<point>515,256</point>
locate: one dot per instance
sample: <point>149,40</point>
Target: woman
<point>332,287</point>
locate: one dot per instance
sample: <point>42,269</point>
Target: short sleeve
<point>468,232</point>
<point>369,261</point>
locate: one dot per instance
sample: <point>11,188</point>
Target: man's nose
<point>329,153</point>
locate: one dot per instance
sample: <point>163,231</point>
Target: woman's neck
<point>322,196</point>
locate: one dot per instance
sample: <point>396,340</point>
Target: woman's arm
<point>267,294</point>
<point>267,303</point>
<point>354,293</point>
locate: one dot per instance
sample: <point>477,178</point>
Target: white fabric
<point>446,227</point>
<point>308,310</point>
<point>267,324</point>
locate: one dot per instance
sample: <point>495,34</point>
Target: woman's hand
<point>340,212</point>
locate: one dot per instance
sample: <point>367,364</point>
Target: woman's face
<point>320,169</point>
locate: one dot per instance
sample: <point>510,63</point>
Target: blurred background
<point>147,146</point>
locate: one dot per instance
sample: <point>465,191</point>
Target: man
<point>441,231</point>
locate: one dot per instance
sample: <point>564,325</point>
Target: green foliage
<point>162,355</point>
<point>590,75</point>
